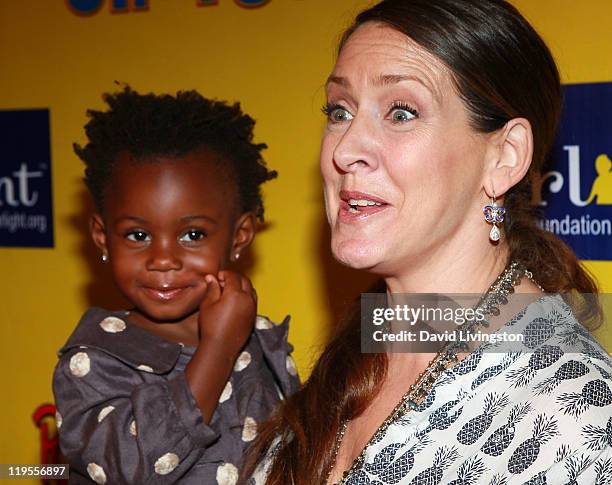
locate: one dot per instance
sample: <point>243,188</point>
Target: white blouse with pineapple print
<point>538,416</point>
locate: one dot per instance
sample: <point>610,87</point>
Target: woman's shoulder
<point>558,370</point>
<point>555,353</point>
<point>552,334</point>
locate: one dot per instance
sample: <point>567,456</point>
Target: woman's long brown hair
<point>502,70</point>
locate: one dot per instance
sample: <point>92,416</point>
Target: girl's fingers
<point>235,281</point>
<point>232,280</point>
<point>213,288</point>
<point>246,285</point>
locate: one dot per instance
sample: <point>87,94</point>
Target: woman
<point>438,109</point>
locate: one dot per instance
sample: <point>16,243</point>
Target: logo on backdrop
<point>91,7</point>
<point>26,213</point>
<point>577,193</point>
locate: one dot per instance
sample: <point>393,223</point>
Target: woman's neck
<point>456,268</point>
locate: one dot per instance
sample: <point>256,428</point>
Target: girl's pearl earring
<point>237,256</point>
<point>104,257</point>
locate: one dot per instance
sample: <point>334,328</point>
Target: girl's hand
<point>227,312</point>
<point>226,319</point>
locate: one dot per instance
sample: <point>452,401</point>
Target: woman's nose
<point>164,256</point>
<point>356,148</point>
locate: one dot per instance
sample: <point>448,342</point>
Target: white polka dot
<point>145,368</point>
<point>58,419</point>
<point>227,392</point>
<point>263,323</point>
<point>249,430</point>
<point>133,428</point>
<point>79,364</point>
<point>227,474</point>
<point>113,325</point>
<point>96,472</point>
<point>243,361</point>
<point>291,368</point>
<point>165,464</point>
<point>105,411</point>
<point>82,346</point>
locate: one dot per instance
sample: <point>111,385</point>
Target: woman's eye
<point>191,236</point>
<point>138,236</point>
<point>399,115</point>
<point>337,114</point>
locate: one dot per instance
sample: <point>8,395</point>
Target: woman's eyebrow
<point>387,80</point>
<point>390,79</point>
<point>342,81</point>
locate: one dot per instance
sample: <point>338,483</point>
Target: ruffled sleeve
<point>277,353</point>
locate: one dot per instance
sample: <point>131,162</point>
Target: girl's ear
<point>98,233</point>
<point>244,233</point>
<point>509,157</point>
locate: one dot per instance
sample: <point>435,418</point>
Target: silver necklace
<point>489,304</point>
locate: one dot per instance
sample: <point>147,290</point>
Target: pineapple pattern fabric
<point>540,415</point>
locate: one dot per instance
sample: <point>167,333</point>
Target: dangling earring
<point>494,214</point>
<point>104,257</point>
<point>237,256</point>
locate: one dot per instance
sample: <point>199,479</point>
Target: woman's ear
<point>509,157</point>
<point>244,233</point>
<point>98,233</point>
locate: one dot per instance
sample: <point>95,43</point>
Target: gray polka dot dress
<point>126,414</point>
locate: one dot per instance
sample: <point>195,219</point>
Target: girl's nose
<point>164,256</point>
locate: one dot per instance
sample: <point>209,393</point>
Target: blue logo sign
<point>90,7</point>
<point>577,193</point>
<point>26,213</point>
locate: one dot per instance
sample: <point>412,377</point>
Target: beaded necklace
<point>496,295</point>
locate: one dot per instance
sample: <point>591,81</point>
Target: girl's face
<point>168,223</point>
<point>401,166</point>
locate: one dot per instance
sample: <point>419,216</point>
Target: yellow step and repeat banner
<point>57,57</point>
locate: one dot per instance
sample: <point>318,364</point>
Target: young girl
<point>172,390</point>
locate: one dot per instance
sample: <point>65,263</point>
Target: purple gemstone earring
<point>494,214</point>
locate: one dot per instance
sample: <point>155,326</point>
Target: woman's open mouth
<point>357,205</point>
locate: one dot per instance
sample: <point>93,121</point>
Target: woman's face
<point>402,168</point>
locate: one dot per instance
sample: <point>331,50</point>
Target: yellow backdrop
<point>274,59</point>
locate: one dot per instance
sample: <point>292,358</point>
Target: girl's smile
<point>166,293</point>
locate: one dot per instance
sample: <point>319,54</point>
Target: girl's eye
<point>402,112</point>
<point>193,235</point>
<point>336,113</point>
<point>138,236</point>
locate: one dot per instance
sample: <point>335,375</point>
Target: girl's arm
<point>226,319</point>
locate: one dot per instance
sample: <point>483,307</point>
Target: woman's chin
<point>357,255</point>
